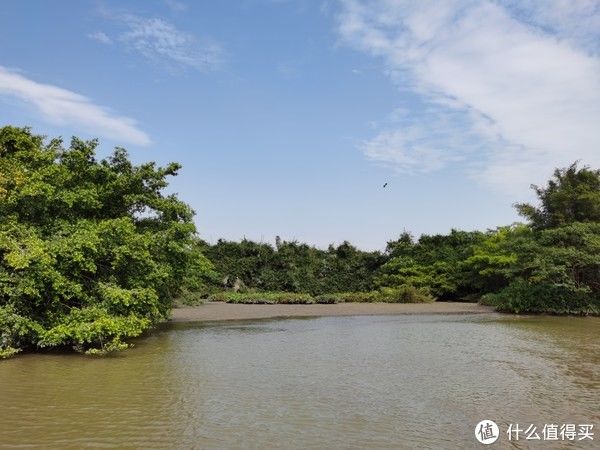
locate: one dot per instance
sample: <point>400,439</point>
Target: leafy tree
<point>91,251</point>
<point>434,263</point>
<point>556,267</point>
<point>571,195</point>
<point>494,260</point>
<point>558,271</point>
<point>291,266</point>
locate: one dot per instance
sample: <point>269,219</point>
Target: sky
<point>289,116</point>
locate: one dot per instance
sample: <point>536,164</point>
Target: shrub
<point>523,296</point>
<point>328,299</point>
<point>94,330</point>
<point>16,331</point>
<point>262,297</point>
<point>404,294</point>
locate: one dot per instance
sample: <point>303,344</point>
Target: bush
<point>403,294</point>
<point>348,297</point>
<point>327,299</point>
<point>262,297</point>
<point>94,330</point>
<point>16,331</point>
<point>360,297</point>
<point>523,296</point>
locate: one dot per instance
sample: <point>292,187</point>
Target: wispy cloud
<point>423,140</point>
<point>162,42</point>
<point>101,37</point>
<point>512,87</point>
<point>577,21</point>
<point>63,107</point>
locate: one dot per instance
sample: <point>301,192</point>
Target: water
<point>337,382</point>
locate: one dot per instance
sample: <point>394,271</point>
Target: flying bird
<point>385,185</point>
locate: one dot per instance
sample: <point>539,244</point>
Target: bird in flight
<point>385,185</point>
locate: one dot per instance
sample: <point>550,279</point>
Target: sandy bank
<point>228,311</point>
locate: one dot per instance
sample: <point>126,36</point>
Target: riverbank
<point>219,311</point>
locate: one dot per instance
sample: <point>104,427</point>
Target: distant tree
<point>556,270</point>
<point>434,263</point>
<point>571,195</point>
<point>494,261</point>
<point>294,267</point>
<point>401,246</point>
<point>554,266</point>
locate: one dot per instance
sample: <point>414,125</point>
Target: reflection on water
<point>337,382</point>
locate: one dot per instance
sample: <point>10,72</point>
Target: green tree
<point>571,195</point>
<point>92,252</point>
<point>292,266</point>
<point>557,271</point>
<point>495,259</point>
<point>434,263</point>
<point>555,267</point>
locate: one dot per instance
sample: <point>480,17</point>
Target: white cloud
<point>63,107</point>
<point>401,149</point>
<point>522,82</point>
<point>161,42</point>
<point>575,20</point>
<point>100,37</point>
<point>423,141</point>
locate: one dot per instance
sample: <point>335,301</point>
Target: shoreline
<point>220,311</point>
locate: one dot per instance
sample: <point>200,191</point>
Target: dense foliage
<point>555,264</point>
<point>551,264</point>
<point>572,195</point>
<point>434,263</point>
<point>91,251</point>
<point>293,267</point>
<point>555,270</point>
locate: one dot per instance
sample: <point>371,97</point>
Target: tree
<point>571,195</point>
<point>495,260</point>
<point>91,251</point>
<point>434,263</point>
<point>556,266</point>
<point>556,271</point>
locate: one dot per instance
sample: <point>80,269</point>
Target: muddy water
<point>419,381</point>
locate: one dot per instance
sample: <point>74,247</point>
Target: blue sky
<point>289,116</point>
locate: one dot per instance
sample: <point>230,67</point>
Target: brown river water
<point>414,381</point>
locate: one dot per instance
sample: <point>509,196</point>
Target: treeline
<point>292,267</point>
<point>551,264</point>
<point>431,264</point>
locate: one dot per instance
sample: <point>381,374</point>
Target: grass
<point>268,298</point>
<point>402,294</point>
